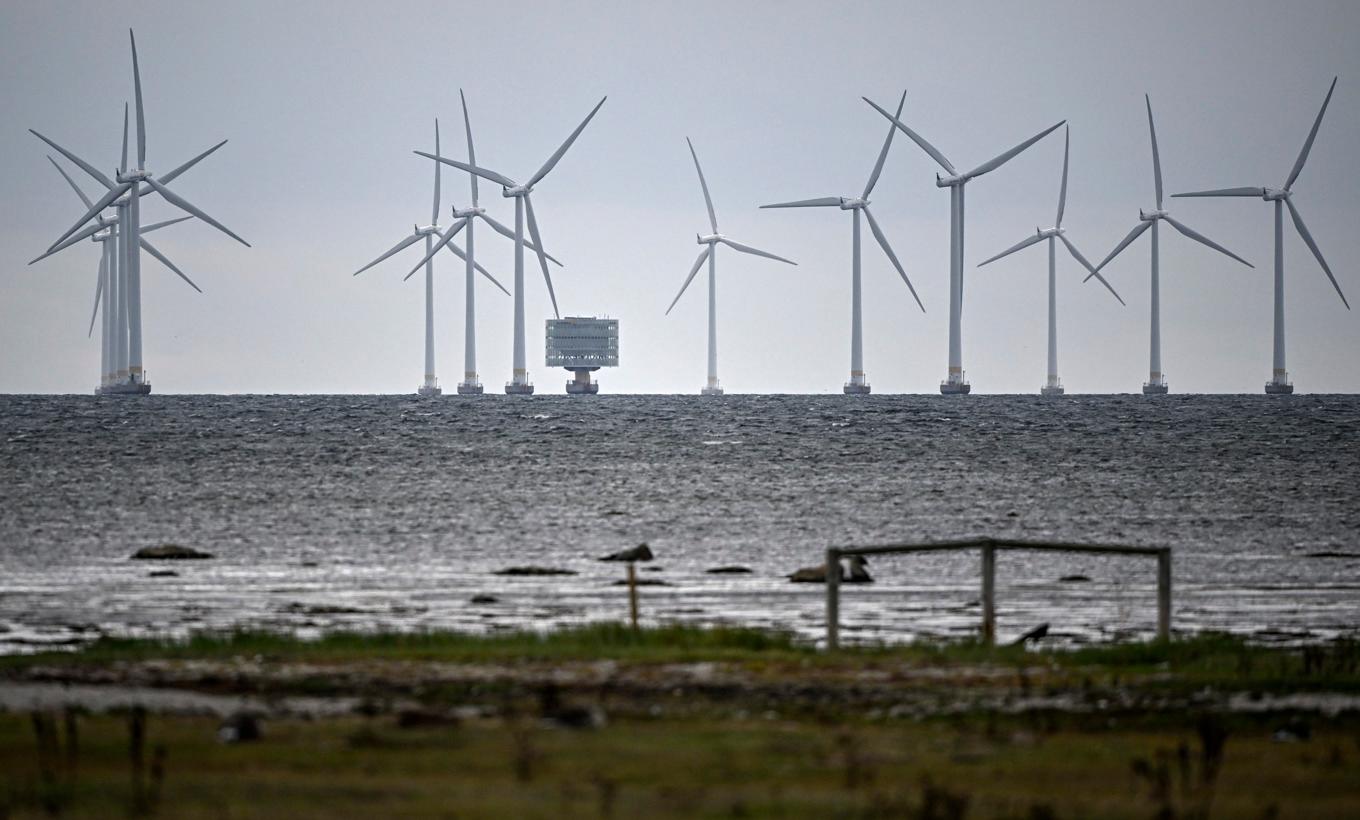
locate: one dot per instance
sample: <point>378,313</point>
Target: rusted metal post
<point>989,595</point>
<point>833,598</point>
<point>1164,595</point>
<point>632,595</point>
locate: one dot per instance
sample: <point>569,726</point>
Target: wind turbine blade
<point>472,155</point>
<point>82,164</point>
<point>444,240</point>
<point>915,137</point>
<point>708,200</point>
<point>892,257</point>
<point>1022,244</point>
<point>122,165</point>
<point>1077,255</point>
<point>1062,191</point>
<point>754,251</point>
<point>458,252</point>
<point>698,263</point>
<point>137,91</point>
<point>509,234</point>
<point>434,212</point>
<point>538,240</point>
<point>883,154</point>
<point>1308,144</point>
<point>71,182</point>
<point>400,246</point>
<point>74,239</point>
<point>104,202</point>
<point>1224,192</point>
<point>146,229</point>
<point>98,291</point>
<point>820,202</point>
<point>1133,234</point>
<point>1312,246</point>
<point>1002,159</point>
<point>557,155</point>
<point>167,178</point>
<point>1204,240</point>
<point>499,179</point>
<point>151,249</point>
<point>1156,156</point>
<point>184,205</point>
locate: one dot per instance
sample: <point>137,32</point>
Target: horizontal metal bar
<point>1040,546</point>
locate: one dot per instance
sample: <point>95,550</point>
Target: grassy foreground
<point>778,730</point>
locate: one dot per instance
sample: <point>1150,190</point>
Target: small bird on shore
<point>817,575</point>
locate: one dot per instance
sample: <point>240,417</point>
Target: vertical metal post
<point>1164,595</point>
<point>632,595</point>
<point>833,601</point>
<point>989,595</point>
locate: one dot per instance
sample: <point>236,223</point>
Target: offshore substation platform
<point>582,345</point>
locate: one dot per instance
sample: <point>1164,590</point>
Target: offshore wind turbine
<point>113,329</point>
<point>710,254</point>
<point>858,384</point>
<point>956,383</point>
<point>1284,198</point>
<point>1053,385</point>
<point>1156,383</point>
<point>519,380</point>
<point>126,190</point>
<point>430,386</point>
<point>464,217</point>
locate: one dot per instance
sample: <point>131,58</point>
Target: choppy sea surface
<point>393,512</point>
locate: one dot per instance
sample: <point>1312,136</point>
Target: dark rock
<point>241,727</point>
<point>1074,579</point>
<point>609,513</point>
<point>817,575</point>
<point>162,573</point>
<point>298,608</point>
<point>168,552</point>
<point>641,552</point>
<point>729,571</point>
<point>485,599</point>
<point>425,718</point>
<point>1035,634</point>
<point>533,571</point>
<point>645,582</point>
<point>1332,554</point>
<point>577,717</point>
<point>653,568</point>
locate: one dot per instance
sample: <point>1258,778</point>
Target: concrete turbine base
<point>429,390</point>
<point>1154,389</point>
<point>1279,389</point>
<point>711,391</point>
<point>128,388</point>
<point>512,389</point>
<point>1051,390</point>
<point>852,389</point>
<point>955,388</point>
<point>470,389</point>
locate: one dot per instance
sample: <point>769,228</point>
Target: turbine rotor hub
<point>1152,216</point>
<point>1276,194</point>
<point>427,230</point>
<point>710,239</point>
<point>518,190</point>
<point>950,181</point>
<point>136,175</point>
<point>853,203</point>
<point>467,213</point>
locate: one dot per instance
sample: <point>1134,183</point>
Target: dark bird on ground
<point>817,575</point>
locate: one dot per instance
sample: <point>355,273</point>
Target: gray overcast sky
<point>324,101</point>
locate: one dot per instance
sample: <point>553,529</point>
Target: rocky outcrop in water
<point>169,552</point>
<point>641,552</point>
<point>532,571</point>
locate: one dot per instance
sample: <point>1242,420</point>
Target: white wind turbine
<point>710,254</point>
<point>126,191</point>
<point>1053,386</point>
<point>113,329</point>
<point>430,387</point>
<point>955,182</point>
<point>858,385</point>
<point>519,381</point>
<point>1284,198</point>
<point>1156,383</point>
<point>464,218</point>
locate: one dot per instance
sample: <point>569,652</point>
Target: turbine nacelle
<point>853,203</point>
<point>949,181</point>
<point>467,213</point>
<point>427,230</point>
<point>518,190</point>
<point>1049,233</point>
<point>710,239</point>
<point>1152,216</point>
<point>136,175</point>
<point>1276,194</point>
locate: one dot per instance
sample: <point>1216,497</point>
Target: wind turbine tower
<point>1053,386</point>
<point>858,384</point>
<point>955,382</point>
<point>1156,383</point>
<point>709,254</point>
<point>519,380</point>
<point>1282,198</point>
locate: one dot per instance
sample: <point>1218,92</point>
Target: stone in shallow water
<point>534,571</point>
<point>641,552</point>
<point>168,552</point>
<point>1074,579</point>
<point>162,573</point>
<point>485,599</point>
<point>729,571</point>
